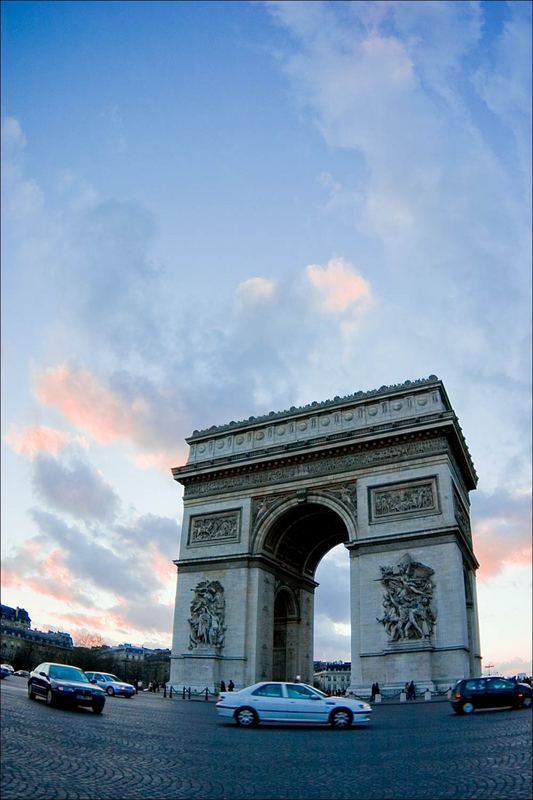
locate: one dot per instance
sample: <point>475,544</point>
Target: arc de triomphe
<point>387,473</point>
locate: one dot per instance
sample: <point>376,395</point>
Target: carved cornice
<point>316,406</point>
<point>315,464</point>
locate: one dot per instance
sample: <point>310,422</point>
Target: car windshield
<point>109,677</point>
<point>319,691</point>
<point>67,674</point>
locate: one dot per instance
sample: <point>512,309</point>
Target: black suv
<point>472,693</point>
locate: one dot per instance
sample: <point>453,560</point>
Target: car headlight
<point>365,707</point>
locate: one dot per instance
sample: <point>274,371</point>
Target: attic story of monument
<point>388,474</point>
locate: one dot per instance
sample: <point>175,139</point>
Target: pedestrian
<point>136,684</point>
<point>378,690</point>
<point>412,691</point>
<point>222,686</point>
<point>373,692</point>
<point>231,686</point>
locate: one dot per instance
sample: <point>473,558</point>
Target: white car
<point>276,701</point>
<point>111,684</point>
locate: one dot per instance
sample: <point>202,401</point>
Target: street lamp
<point>489,667</point>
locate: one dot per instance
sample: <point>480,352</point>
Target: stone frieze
<point>461,515</point>
<point>317,468</point>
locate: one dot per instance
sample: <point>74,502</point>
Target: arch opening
<point>297,542</point>
<point>302,536</point>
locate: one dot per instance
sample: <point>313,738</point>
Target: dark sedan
<point>472,693</point>
<point>58,683</point>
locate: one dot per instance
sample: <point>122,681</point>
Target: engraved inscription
<point>215,528</point>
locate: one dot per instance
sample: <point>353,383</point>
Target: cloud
<point>436,151</point>
<point>38,568</point>
<point>36,439</point>
<point>150,530</point>
<point>501,530</point>
<point>74,487</point>
<point>338,286</point>
<point>92,565</point>
<point>254,291</point>
<point>133,410</point>
<point>13,139</point>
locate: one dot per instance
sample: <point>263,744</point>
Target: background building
<point>333,677</point>
<point>24,648</point>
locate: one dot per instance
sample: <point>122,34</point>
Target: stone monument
<point>388,474</point>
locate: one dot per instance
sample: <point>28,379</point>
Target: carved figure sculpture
<point>407,611</point>
<point>207,615</point>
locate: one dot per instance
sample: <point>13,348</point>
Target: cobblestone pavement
<point>150,748</point>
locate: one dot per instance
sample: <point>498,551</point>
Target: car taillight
<point>457,695</point>
<point>520,694</point>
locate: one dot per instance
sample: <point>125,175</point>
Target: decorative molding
<point>344,493</point>
<point>407,499</point>
<point>316,406</point>
<point>217,528</point>
<point>327,465</point>
<point>461,515</point>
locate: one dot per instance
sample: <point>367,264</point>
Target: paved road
<point>151,748</point>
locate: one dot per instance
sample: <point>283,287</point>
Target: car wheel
<point>468,708</point>
<point>31,693</point>
<point>98,706</point>
<point>50,699</point>
<point>110,691</point>
<point>342,718</point>
<point>526,702</point>
<point>246,717</point>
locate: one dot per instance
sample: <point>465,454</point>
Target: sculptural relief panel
<point>206,623</point>
<point>218,528</point>
<point>408,611</point>
<point>412,498</point>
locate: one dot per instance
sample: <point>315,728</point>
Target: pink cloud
<point>338,285</point>
<point>84,402</point>
<point>162,566</point>
<point>161,461</point>
<point>46,575</point>
<point>38,439</point>
<point>106,415</point>
<point>497,542</point>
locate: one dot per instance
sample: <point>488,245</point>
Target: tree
<point>85,638</point>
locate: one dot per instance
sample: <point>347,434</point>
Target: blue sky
<point>213,210</point>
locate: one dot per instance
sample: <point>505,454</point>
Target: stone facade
<point>388,474</point>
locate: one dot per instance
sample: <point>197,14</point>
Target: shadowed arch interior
<point>302,536</point>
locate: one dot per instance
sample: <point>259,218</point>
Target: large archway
<point>387,474</point>
<point>297,539</point>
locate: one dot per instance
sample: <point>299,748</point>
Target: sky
<point>215,210</point>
